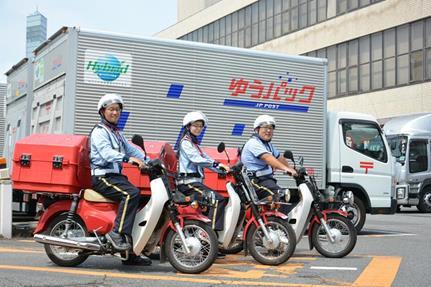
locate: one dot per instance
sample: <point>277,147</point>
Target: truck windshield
<point>398,146</point>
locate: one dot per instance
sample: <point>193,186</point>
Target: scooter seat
<point>94,196</point>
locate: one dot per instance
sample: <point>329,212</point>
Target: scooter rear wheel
<point>345,237</point>
<point>203,244</point>
<point>65,256</point>
<point>262,251</point>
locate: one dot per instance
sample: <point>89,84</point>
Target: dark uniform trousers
<point>267,186</point>
<point>116,187</point>
<point>202,192</point>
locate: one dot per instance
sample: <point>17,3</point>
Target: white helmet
<point>109,99</point>
<point>193,117</point>
<point>263,120</point>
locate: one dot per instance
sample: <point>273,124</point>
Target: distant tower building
<point>36,32</point>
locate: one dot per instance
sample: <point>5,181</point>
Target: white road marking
<point>387,235</point>
<point>334,268</point>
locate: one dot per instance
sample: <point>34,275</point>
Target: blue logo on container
<point>108,68</point>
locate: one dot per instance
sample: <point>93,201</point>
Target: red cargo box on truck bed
<point>55,163</point>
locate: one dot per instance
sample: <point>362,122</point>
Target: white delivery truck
<point>161,80</point>
<point>410,141</point>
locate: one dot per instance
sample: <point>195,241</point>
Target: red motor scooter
<point>266,233</point>
<point>73,228</point>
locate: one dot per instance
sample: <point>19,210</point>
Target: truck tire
<point>425,201</point>
<point>362,214</point>
<point>356,213</point>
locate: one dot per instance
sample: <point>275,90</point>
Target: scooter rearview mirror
<point>289,155</point>
<point>139,141</point>
<point>221,147</point>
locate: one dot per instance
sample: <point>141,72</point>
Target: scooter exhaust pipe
<point>46,239</point>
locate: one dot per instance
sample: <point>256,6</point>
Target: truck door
<point>418,165</point>
<point>364,160</point>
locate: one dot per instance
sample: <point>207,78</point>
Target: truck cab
<point>359,160</point>
<point>410,142</point>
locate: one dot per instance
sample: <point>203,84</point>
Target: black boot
<point>137,260</point>
<point>117,241</point>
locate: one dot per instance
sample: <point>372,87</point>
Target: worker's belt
<point>188,180</point>
<point>191,174</point>
<point>100,172</point>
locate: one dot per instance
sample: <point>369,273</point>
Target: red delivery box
<point>154,149</point>
<point>55,163</point>
<point>212,179</point>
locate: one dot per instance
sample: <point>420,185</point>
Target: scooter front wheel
<point>66,256</point>
<point>343,232</point>
<point>202,243</point>
<point>276,250</point>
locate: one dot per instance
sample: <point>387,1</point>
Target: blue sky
<point>139,17</point>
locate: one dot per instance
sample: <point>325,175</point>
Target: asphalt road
<point>392,250</point>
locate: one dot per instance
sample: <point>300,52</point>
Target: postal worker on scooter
<point>261,158</point>
<point>109,149</point>
<point>192,161</point>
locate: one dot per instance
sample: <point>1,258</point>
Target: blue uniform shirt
<point>110,148</point>
<point>251,153</point>
<point>193,159</point>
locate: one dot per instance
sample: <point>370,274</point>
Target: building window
<point>428,63</point>
<point>402,54</point>
<point>416,55</point>
<point>389,58</point>
<point>353,66</point>
<point>321,10</point>
<point>352,5</point>
<point>285,17</point>
<point>364,64</point>
<point>376,57</point>
<point>341,68</point>
<point>332,71</point>
<point>294,15</point>
<point>341,6</point>
<point>312,12</point>
<point>255,24</point>
<point>302,14</point>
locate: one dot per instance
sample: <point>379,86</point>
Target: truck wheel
<point>356,213</point>
<point>425,201</point>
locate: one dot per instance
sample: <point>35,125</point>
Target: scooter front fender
<point>181,218</point>
<point>315,220</point>
<point>274,213</point>
<point>51,212</point>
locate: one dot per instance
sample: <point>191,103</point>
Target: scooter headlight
<point>285,192</point>
<point>194,204</point>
